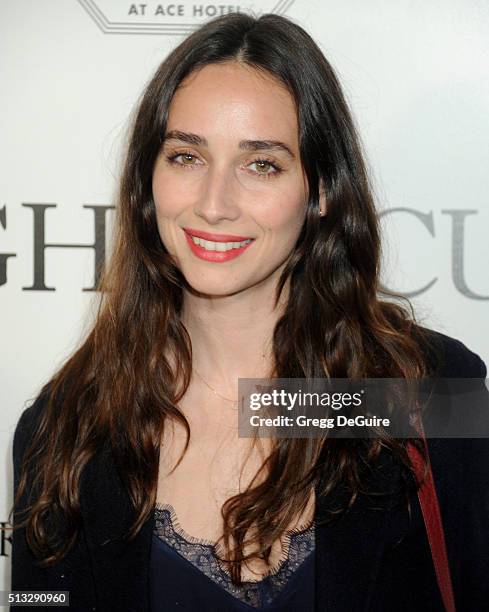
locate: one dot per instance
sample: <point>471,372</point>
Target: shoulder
<point>449,356</point>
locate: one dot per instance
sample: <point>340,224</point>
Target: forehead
<point>233,101</point>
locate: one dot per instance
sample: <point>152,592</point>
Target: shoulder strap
<point>432,518</point>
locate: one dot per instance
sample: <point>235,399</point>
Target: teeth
<point>218,246</point>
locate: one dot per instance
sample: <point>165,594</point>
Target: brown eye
<point>266,168</point>
<point>186,157</point>
<point>263,165</point>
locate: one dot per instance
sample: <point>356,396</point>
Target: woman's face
<point>217,177</point>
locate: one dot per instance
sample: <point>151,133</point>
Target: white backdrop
<point>415,73</point>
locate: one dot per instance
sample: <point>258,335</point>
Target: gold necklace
<point>234,402</point>
<point>228,399</point>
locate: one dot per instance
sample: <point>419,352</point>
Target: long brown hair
<point>119,387</point>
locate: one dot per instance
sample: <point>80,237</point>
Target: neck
<point>232,335</point>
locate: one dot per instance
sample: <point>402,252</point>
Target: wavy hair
<point>118,387</point>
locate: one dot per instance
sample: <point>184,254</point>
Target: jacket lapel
<point>349,549</point>
<point>120,571</point>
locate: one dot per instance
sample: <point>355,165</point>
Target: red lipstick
<point>216,237</point>
<point>215,256</point>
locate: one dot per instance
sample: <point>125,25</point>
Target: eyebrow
<point>245,145</point>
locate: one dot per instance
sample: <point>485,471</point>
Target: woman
<point>247,246</point>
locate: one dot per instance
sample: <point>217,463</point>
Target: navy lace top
<point>185,574</point>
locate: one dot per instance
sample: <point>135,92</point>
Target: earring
<point>321,213</point>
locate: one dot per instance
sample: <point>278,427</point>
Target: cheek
<point>285,216</point>
<point>166,198</point>
<point>167,208</point>
<point>170,201</point>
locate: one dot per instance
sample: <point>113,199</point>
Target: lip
<point>215,256</point>
<point>216,237</point>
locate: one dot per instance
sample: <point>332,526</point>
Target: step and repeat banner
<point>415,74</point>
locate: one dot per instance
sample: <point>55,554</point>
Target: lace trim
<point>299,543</point>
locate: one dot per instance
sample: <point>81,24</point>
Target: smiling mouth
<point>217,242</point>
<point>210,245</point>
<point>205,246</point>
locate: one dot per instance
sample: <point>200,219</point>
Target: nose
<point>218,197</point>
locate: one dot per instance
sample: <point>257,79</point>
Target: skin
<point>221,188</point>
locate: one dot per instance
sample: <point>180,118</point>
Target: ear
<point>322,198</point>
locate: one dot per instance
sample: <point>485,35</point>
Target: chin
<point>207,288</point>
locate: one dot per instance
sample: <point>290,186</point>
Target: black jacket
<point>366,560</point>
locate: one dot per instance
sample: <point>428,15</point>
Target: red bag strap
<point>432,519</point>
